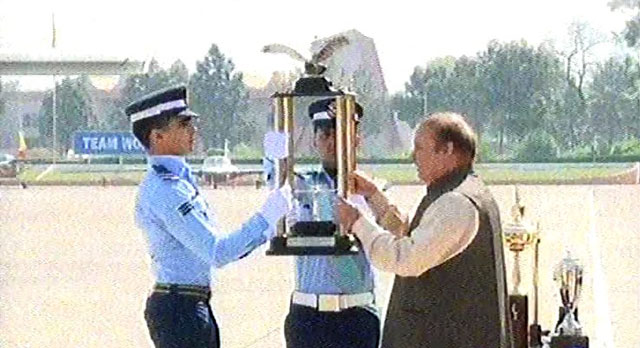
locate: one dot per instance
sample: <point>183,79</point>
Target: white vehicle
<point>219,169</point>
<point>218,164</point>
<point>10,168</point>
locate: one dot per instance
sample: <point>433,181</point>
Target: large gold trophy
<point>318,236</point>
<point>519,234</point>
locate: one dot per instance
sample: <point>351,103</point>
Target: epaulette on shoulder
<point>310,176</point>
<point>164,173</point>
<point>302,175</point>
<point>307,173</point>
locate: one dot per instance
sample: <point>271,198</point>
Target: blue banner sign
<point>106,143</point>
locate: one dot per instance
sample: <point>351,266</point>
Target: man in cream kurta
<point>446,228</point>
<point>450,289</point>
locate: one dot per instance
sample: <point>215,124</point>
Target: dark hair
<point>142,129</point>
<point>452,127</point>
<point>325,126</point>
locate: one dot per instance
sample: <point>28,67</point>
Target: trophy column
<point>281,164</point>
<point>345,137</point>
<point>518,235</point>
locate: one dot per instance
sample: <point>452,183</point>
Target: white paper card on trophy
<point>275,145</point>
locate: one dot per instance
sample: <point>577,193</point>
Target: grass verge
<point>398,176</point>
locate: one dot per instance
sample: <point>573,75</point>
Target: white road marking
<point>50,168</point>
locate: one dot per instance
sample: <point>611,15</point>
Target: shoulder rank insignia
<point>185,208</point>
<point>164,173</point>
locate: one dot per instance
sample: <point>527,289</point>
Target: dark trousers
<point>176,321</point>
<point>356,327</point>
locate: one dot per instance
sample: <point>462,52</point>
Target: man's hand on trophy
<point>363,184</point>
<point>347,213</point>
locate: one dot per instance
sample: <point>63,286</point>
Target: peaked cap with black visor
<point>323,113</point>
<point>167,102</point>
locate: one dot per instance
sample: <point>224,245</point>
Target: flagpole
<point>53,103</point>
<point>55,118</point>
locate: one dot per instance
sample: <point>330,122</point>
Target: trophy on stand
<point>568,333</point>
<point>519,234</point>
<point>320,236</point>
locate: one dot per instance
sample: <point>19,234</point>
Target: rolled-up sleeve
<point>186,222</point>
<point>447,227</point>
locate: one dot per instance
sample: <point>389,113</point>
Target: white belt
<point>332,303</point>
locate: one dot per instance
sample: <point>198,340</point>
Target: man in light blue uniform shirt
<point>333,304</point>
<point>184,239</point>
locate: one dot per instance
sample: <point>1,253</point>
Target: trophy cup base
<point>519,312</point>
<point>535,336</point>
<point>569,342</point>
<point>331,245</point>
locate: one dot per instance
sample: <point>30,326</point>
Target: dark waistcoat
<point>462,302</point>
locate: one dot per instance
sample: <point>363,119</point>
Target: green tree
<point>579,62</point>
<point>138,85</point>
<point>537,146</point>
<point>74,112</point>
<point>177,74</point>
<point>614,101</point>
<point>374,101</point>
<point>1,102</point>
<point>410,103</point>
<point>281,81</point>
<point>259,110</point>
<point>425,92</point>
<point>466,90</point>
<point>220,97</point>
<point>632,28</point>
<point>519,84</point>
<point>428,90</point>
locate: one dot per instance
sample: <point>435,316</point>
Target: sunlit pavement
<point>74,270</point>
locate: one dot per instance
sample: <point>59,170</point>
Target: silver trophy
<point>568,274</point>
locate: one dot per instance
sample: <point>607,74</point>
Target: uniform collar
<point>175,164</point>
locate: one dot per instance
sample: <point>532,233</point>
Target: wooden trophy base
<point>518,313</point>
<point>313,238</point>
<point>569,342</point>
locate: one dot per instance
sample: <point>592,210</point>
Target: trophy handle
<point>283,122</point>
<point>345,146</point>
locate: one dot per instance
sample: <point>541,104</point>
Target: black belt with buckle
<point>183,289</point>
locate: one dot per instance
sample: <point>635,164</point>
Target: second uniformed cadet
<point>333,304</point>
<point>183,235</point>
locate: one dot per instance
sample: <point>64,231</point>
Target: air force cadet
<point>184,239</point>
<point>346,281</point>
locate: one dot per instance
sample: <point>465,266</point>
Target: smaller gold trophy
<point>519,234</point>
